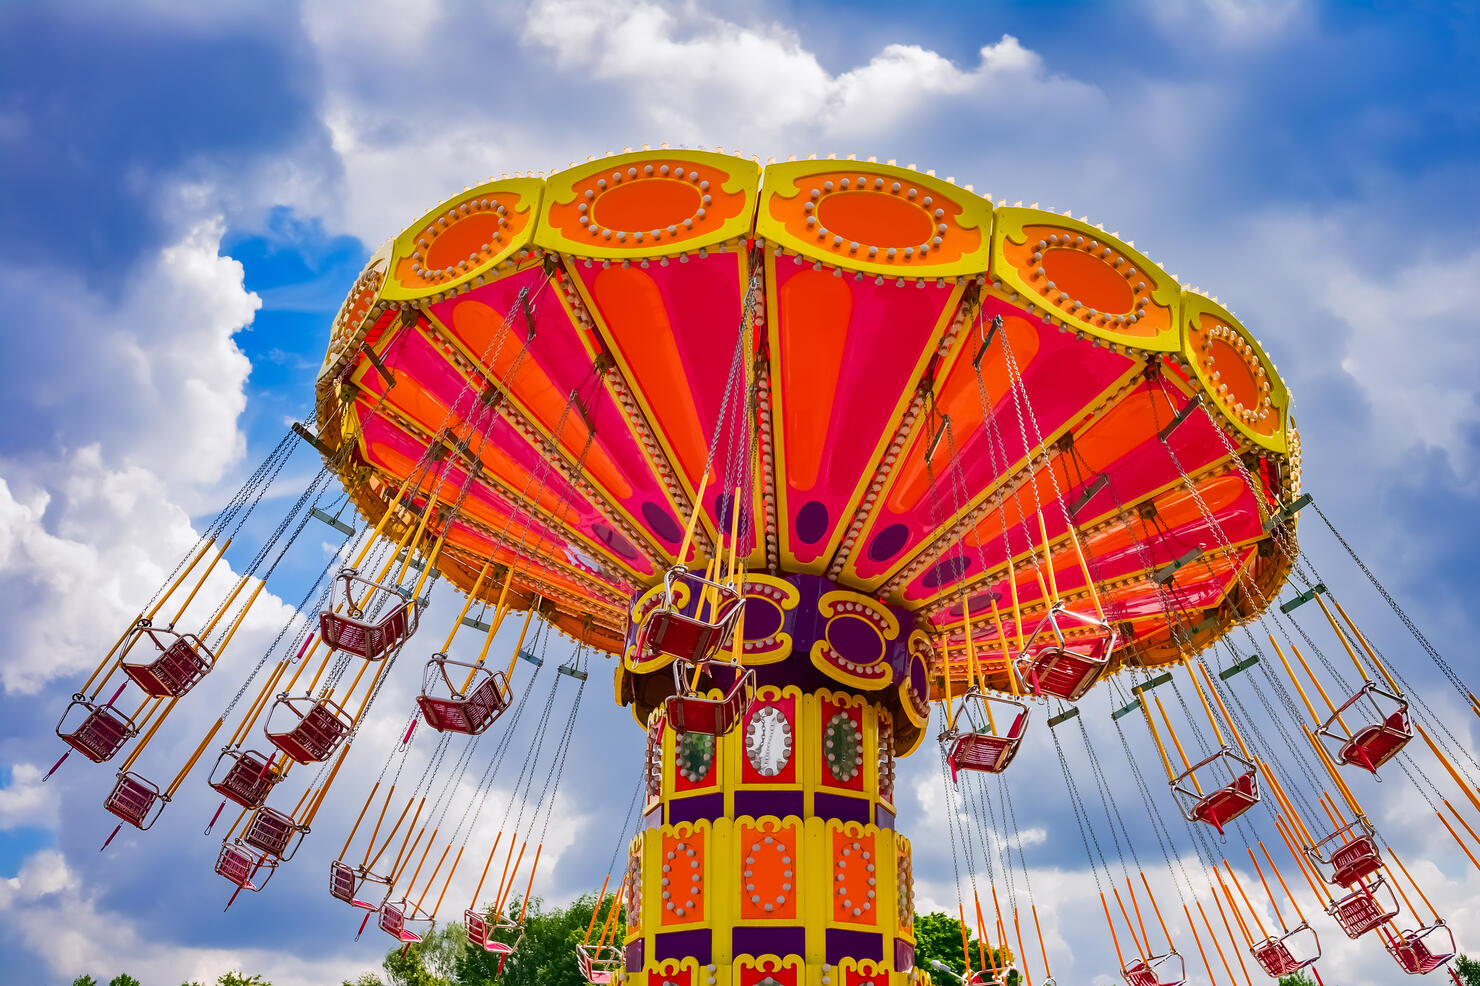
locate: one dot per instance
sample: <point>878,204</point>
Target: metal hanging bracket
<point>1090,492</point>
<point>1164,574</point>
<point>1181,416</point>
<point>987,336</point>
<point>528,312</point>
<point>302,432</point>
<point>1303,598</point>
<point>1239,668</point>
<point>1064,716</point>
<point>380,368</point>
<point>332,521</point>
<point>1285,513</point>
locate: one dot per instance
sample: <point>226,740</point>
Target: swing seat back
<point>691,713</point>
<point>346,626</point>
<point>1424,949</point>
<point>598,963</point>
<point>314,734</point>
<point>1294,950</point>
<point>978,748</point>
<point>243,867</point>
<point>403,922</point>
<point>469,711</point>
<point>1373,746</point>
<point>244,777</point>
<point>1274,957</point>
<point>1057,672</point>
<point>1355,861</point>
<point>476,925</point>
<point>1229,802</point>
<point>135,800</point>
<point>695,638</point>
<point>1348,855</point>
<point>1220,804</point>
<point>100,733</point>
<point>179,662</point>
<point>1155,971</point>
<point>1364,909</point>
<point>274,833</point>
<point>346,882</point>
<point>1062,668</point>
<point>1384,731</point>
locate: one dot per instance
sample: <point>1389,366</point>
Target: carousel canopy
<point>941,383</point>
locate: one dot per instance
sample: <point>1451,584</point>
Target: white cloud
<point>24,802</point>
<point>1225,23</point>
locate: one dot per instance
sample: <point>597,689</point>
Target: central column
<point>769,856</point>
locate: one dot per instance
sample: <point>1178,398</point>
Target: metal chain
<point>1429,648</point>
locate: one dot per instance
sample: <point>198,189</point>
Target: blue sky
<point>190,190</point>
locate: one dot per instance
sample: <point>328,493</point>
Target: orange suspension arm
<point>1198,938</point>
<point>1119,957</point>
<point>596,911</point>
<point>369,863</point>
<point>1272,902</point>
<point>529,885</point>
<point>1458,840</point>
<point>479,889</point>
<point>1244,896</point>
<point>448,882</point>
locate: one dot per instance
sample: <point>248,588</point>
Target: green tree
<point>123,979</point>
<point>84,981</point>
<point>364,979</point>
<point>1468,969</point>
<point>433,962</point>
<point>1296,979</point>
<point>938,939</point>
<point>238,979</point>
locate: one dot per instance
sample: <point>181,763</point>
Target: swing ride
<point>808,450</point>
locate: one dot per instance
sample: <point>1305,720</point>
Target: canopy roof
<point>623,281</point>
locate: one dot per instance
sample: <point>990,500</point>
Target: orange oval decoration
<point>875,218</point>
<point>654,204</point>
<point>1089,279</point>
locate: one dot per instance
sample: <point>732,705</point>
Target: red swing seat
<point>1159,970</point>
<point>598,964</point>
<point>1363,909</point>
<point>273,832</point>
<point>101,732</point>
<point>1219,805</point>
<point>135,800</point>
<point>1062,668</point>
<point>1386,729</point>
<point>346,882</point>
<point>179,661</point>
<point>241,866</point>
<point>1416,954</point>
<point>345,625</point>
<point>1348,855</point>
<point>313,734</point>
<point>405,922</point>
<point>692,636</point>
<point>244,777</point>
<point>1288,953</point>
<point>468,710</point>
<point>977,748</point>
<point>690,712</point>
